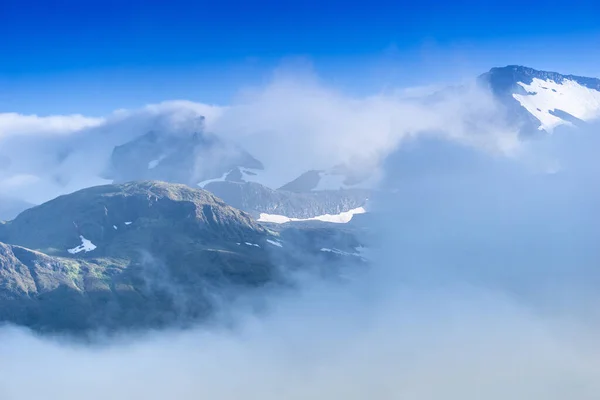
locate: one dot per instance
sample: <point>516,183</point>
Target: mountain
<point>186,157</point>
<point>104,214</point>
<point>202,160</point>
<point>127,255</point>
<point>141,254</point>
<point>542,100</point>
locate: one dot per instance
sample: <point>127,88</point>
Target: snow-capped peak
<point>548,101</point>
<point>545,100</point>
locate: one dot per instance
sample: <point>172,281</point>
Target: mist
<point>483,283</point>
<point>295,119</point>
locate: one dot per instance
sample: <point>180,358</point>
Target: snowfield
<point>341,218</point>
<point>545,97</point>
<point>85,246</point>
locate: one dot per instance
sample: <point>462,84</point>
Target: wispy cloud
<point>292,124</point>
<point>18,124</point>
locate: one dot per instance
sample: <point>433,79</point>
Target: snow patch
<point>85,245</point>
<point>569,96</point>
<point>221,179</point>
<point>340,252</point>
<point>274,243</point>
<point>114,226</point>
<point>251,244</point>
<point>341,218</point>
<point>128,223</point>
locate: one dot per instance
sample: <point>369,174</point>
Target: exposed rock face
<point>143,254</point>
<point>154,250</point>
<point>113,218</point>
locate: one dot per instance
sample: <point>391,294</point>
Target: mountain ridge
<point>521,73</point>
<point>143,254</point>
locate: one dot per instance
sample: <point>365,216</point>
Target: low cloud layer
<point>484,286</point>
<point>421,343</point>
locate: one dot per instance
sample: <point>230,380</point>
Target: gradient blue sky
<point>92,56</point>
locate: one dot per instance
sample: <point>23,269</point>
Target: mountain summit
<point>543,100</point>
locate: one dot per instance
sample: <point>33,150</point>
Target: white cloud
<point>17,181</point>
<point>18,124</point>
<point>420,344</point>
<point>69,155</point>
<point>293,124</point>
<point>303,124</point>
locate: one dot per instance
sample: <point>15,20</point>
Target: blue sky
<point>94,56</point>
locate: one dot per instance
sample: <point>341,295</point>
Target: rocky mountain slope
<point>139,254</point>
<point>109,214</point>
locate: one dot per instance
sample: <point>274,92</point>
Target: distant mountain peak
<point>544,100</point>
<point>185,157</point>
<point>506,77</point>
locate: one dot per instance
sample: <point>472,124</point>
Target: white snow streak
<point>274,243</point>
<point>340,252</point>
<point>341,218</point>
<point>221,179</point>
